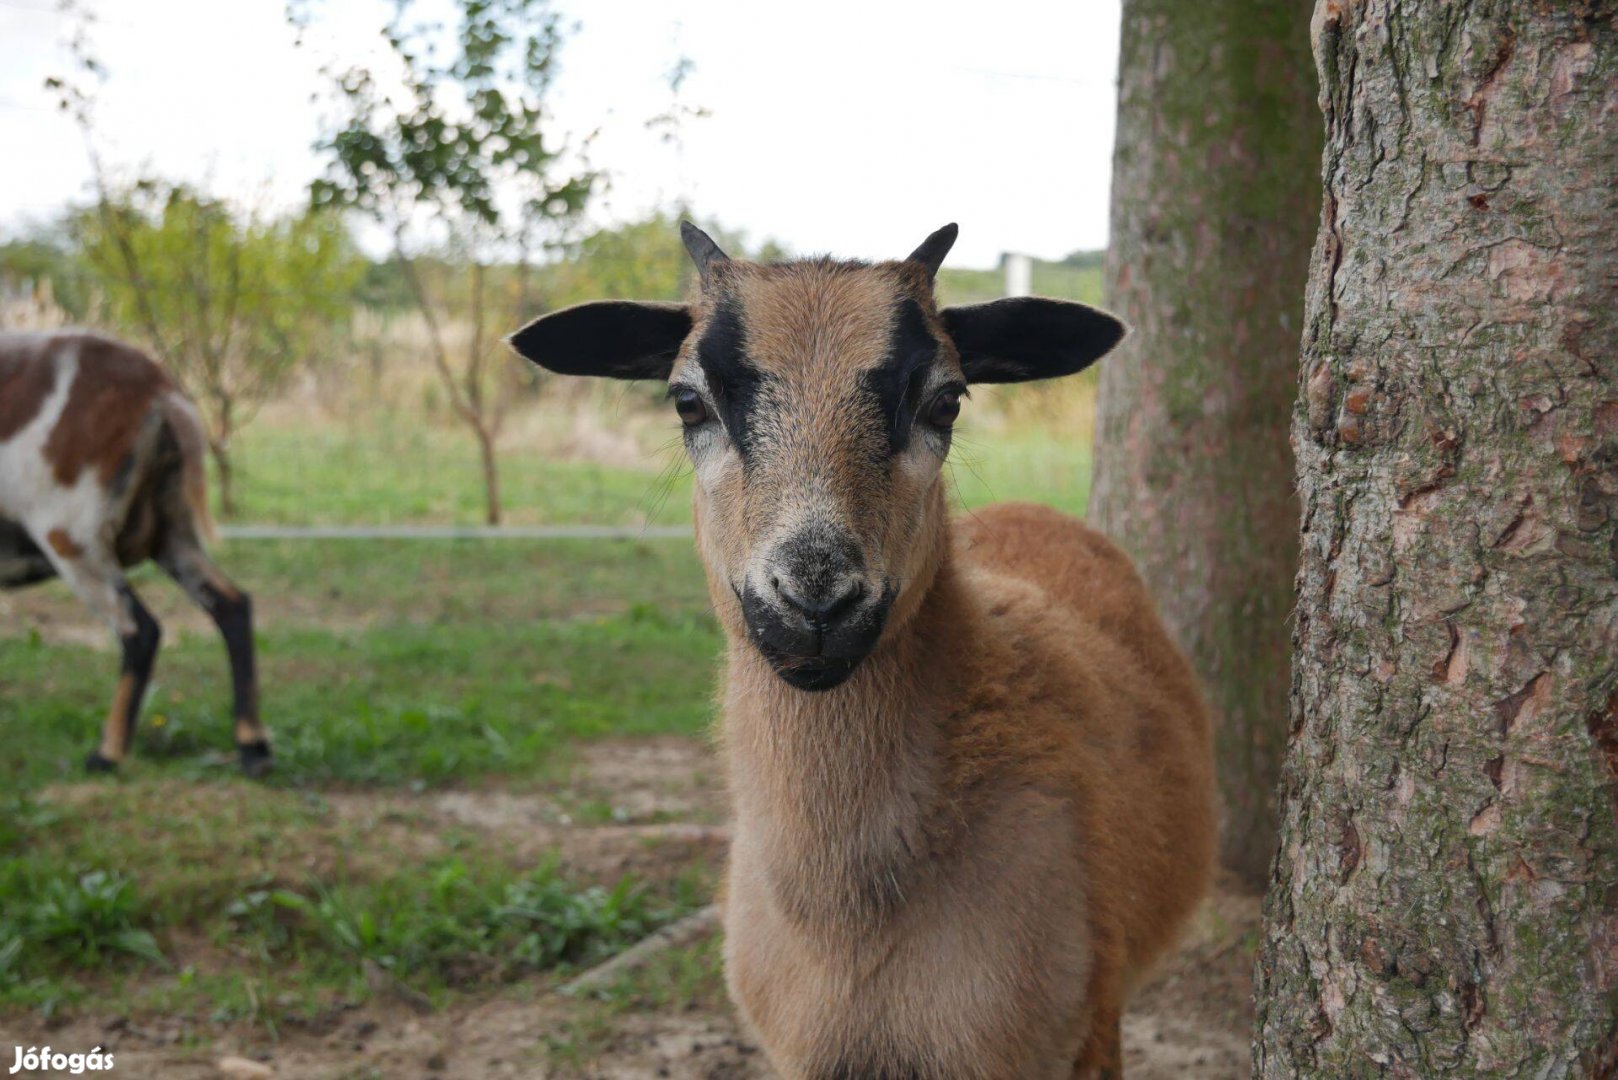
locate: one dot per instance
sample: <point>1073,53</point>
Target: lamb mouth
<point>812,673</point>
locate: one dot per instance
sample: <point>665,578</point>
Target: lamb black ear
<point>1029,337</point>
<point>618,339</point>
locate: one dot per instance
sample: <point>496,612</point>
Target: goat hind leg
<point>94,575</point>
<point>232,612</point>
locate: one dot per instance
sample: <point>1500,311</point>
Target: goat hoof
<point>95,763</point>
<point>256,759</point>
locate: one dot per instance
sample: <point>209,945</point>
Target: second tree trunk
<point>1216,182</point>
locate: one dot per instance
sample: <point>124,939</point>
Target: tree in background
<point>460,160</point>
<point>639,260</point>
<point>231,303</point>
<point>42,263</point>
<point>1446,896</point>
<point>1215,189</point>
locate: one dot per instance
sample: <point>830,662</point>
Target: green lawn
<point>397,662</point>
<point>1059,280</point>
<point>403,665</point>
<point>308,475</point>
<point>386,474</point>
<point>390,670</point>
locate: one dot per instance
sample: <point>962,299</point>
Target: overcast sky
<point>849,126</point>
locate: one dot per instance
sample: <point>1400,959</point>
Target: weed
<point>53,920</point>
<point>449,925</point>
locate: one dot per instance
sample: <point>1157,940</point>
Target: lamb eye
<point>692,409</point>
<point>944,409</point>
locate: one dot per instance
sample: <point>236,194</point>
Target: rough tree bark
<point>1214,199</point>
<point>1445,900</point>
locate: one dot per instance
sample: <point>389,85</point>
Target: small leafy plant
<point>49,921</point>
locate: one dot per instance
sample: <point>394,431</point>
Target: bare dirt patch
<point>643,806</point>
<point>1190,1022</point>
<point>1194,1018</point>
<point>524,830</point>
<point>648,779</point>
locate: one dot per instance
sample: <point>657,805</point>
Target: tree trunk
<point>491,475</point>
<point>224,428</point>
<point>224,471</point>
<point>1215,190</point>
<point>1445,900</point>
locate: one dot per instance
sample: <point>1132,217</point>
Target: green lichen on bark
<point>1444,901</point>
<point>1215,190</point>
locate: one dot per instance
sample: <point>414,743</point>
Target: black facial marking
<point>732,379</point>
<point>897,384</point>
<point>814,656</point>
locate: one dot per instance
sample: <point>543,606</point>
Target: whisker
<point>658,493</point>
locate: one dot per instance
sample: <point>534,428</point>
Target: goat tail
<point>186,425</point>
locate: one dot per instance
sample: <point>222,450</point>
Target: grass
<point>385,666</point>
<point>385,474</point>
<point>181,890</point>
<point>446,922</point>
<point>306,475</point>
<point>393,704</point>
<point>1059,280</point>
<point>260,890</point>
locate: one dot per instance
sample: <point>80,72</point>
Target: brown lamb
<point>971,775</point>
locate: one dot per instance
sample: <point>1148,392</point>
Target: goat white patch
<point>27,485</point>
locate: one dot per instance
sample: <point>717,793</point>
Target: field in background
<point>559,469</point>
<point>492,766</point>
<point>366,436</point>
<point>492,773</point>
<point>1064,281</point>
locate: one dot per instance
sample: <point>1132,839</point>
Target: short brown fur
<point>63,544</point>
<point>25,381</point>
<point>959,862</point>
<point>106,406</point>
<point>971,778</point>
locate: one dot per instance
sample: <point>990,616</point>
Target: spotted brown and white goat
<point>102,468</point>
<point>971,777</point>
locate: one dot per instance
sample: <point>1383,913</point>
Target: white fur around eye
<point>923,458</point>
<point>708,448</point>
<point>930,441</point>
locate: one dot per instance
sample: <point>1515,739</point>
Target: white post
<point>1019,274</point>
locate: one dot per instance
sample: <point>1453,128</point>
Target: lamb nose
<point>821,606</point>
